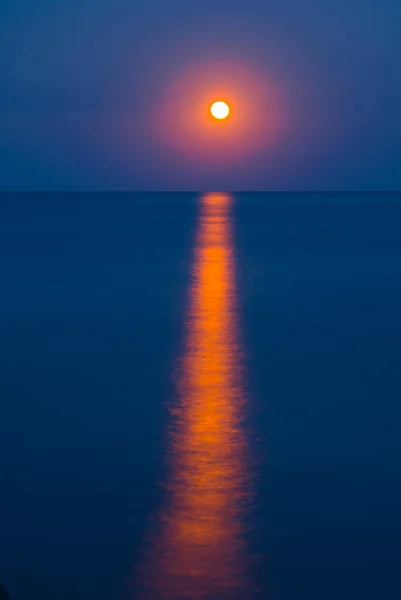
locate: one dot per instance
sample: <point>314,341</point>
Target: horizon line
<point>190,191</point>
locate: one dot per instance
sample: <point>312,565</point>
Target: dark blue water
<point>95,294</point>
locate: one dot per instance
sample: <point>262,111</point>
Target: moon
<point>220,110</point>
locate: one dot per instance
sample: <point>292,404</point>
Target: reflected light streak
<point>200,551</point>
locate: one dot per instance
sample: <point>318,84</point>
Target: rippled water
<point>200,396</point>
<point>200,548</point>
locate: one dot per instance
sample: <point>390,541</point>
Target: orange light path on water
<point>200,551</point>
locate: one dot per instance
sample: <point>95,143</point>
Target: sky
<point>98,95</point>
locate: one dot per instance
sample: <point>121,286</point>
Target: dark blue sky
<point>80,80</point>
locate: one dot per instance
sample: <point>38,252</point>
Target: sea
<point>200,396</point>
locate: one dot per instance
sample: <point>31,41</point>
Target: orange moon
<point>220,110</point>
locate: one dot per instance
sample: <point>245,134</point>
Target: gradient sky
<point>81,82</point>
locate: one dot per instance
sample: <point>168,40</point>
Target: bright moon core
<point>220,110</point>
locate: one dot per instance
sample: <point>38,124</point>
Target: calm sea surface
<point>200,396</point>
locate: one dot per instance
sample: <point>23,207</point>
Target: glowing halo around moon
<point>218,113</point>
<point>220,110</point>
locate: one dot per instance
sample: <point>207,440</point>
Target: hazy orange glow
<point>220,110</point>
<point>183,120</point>
<point>200,549</point>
